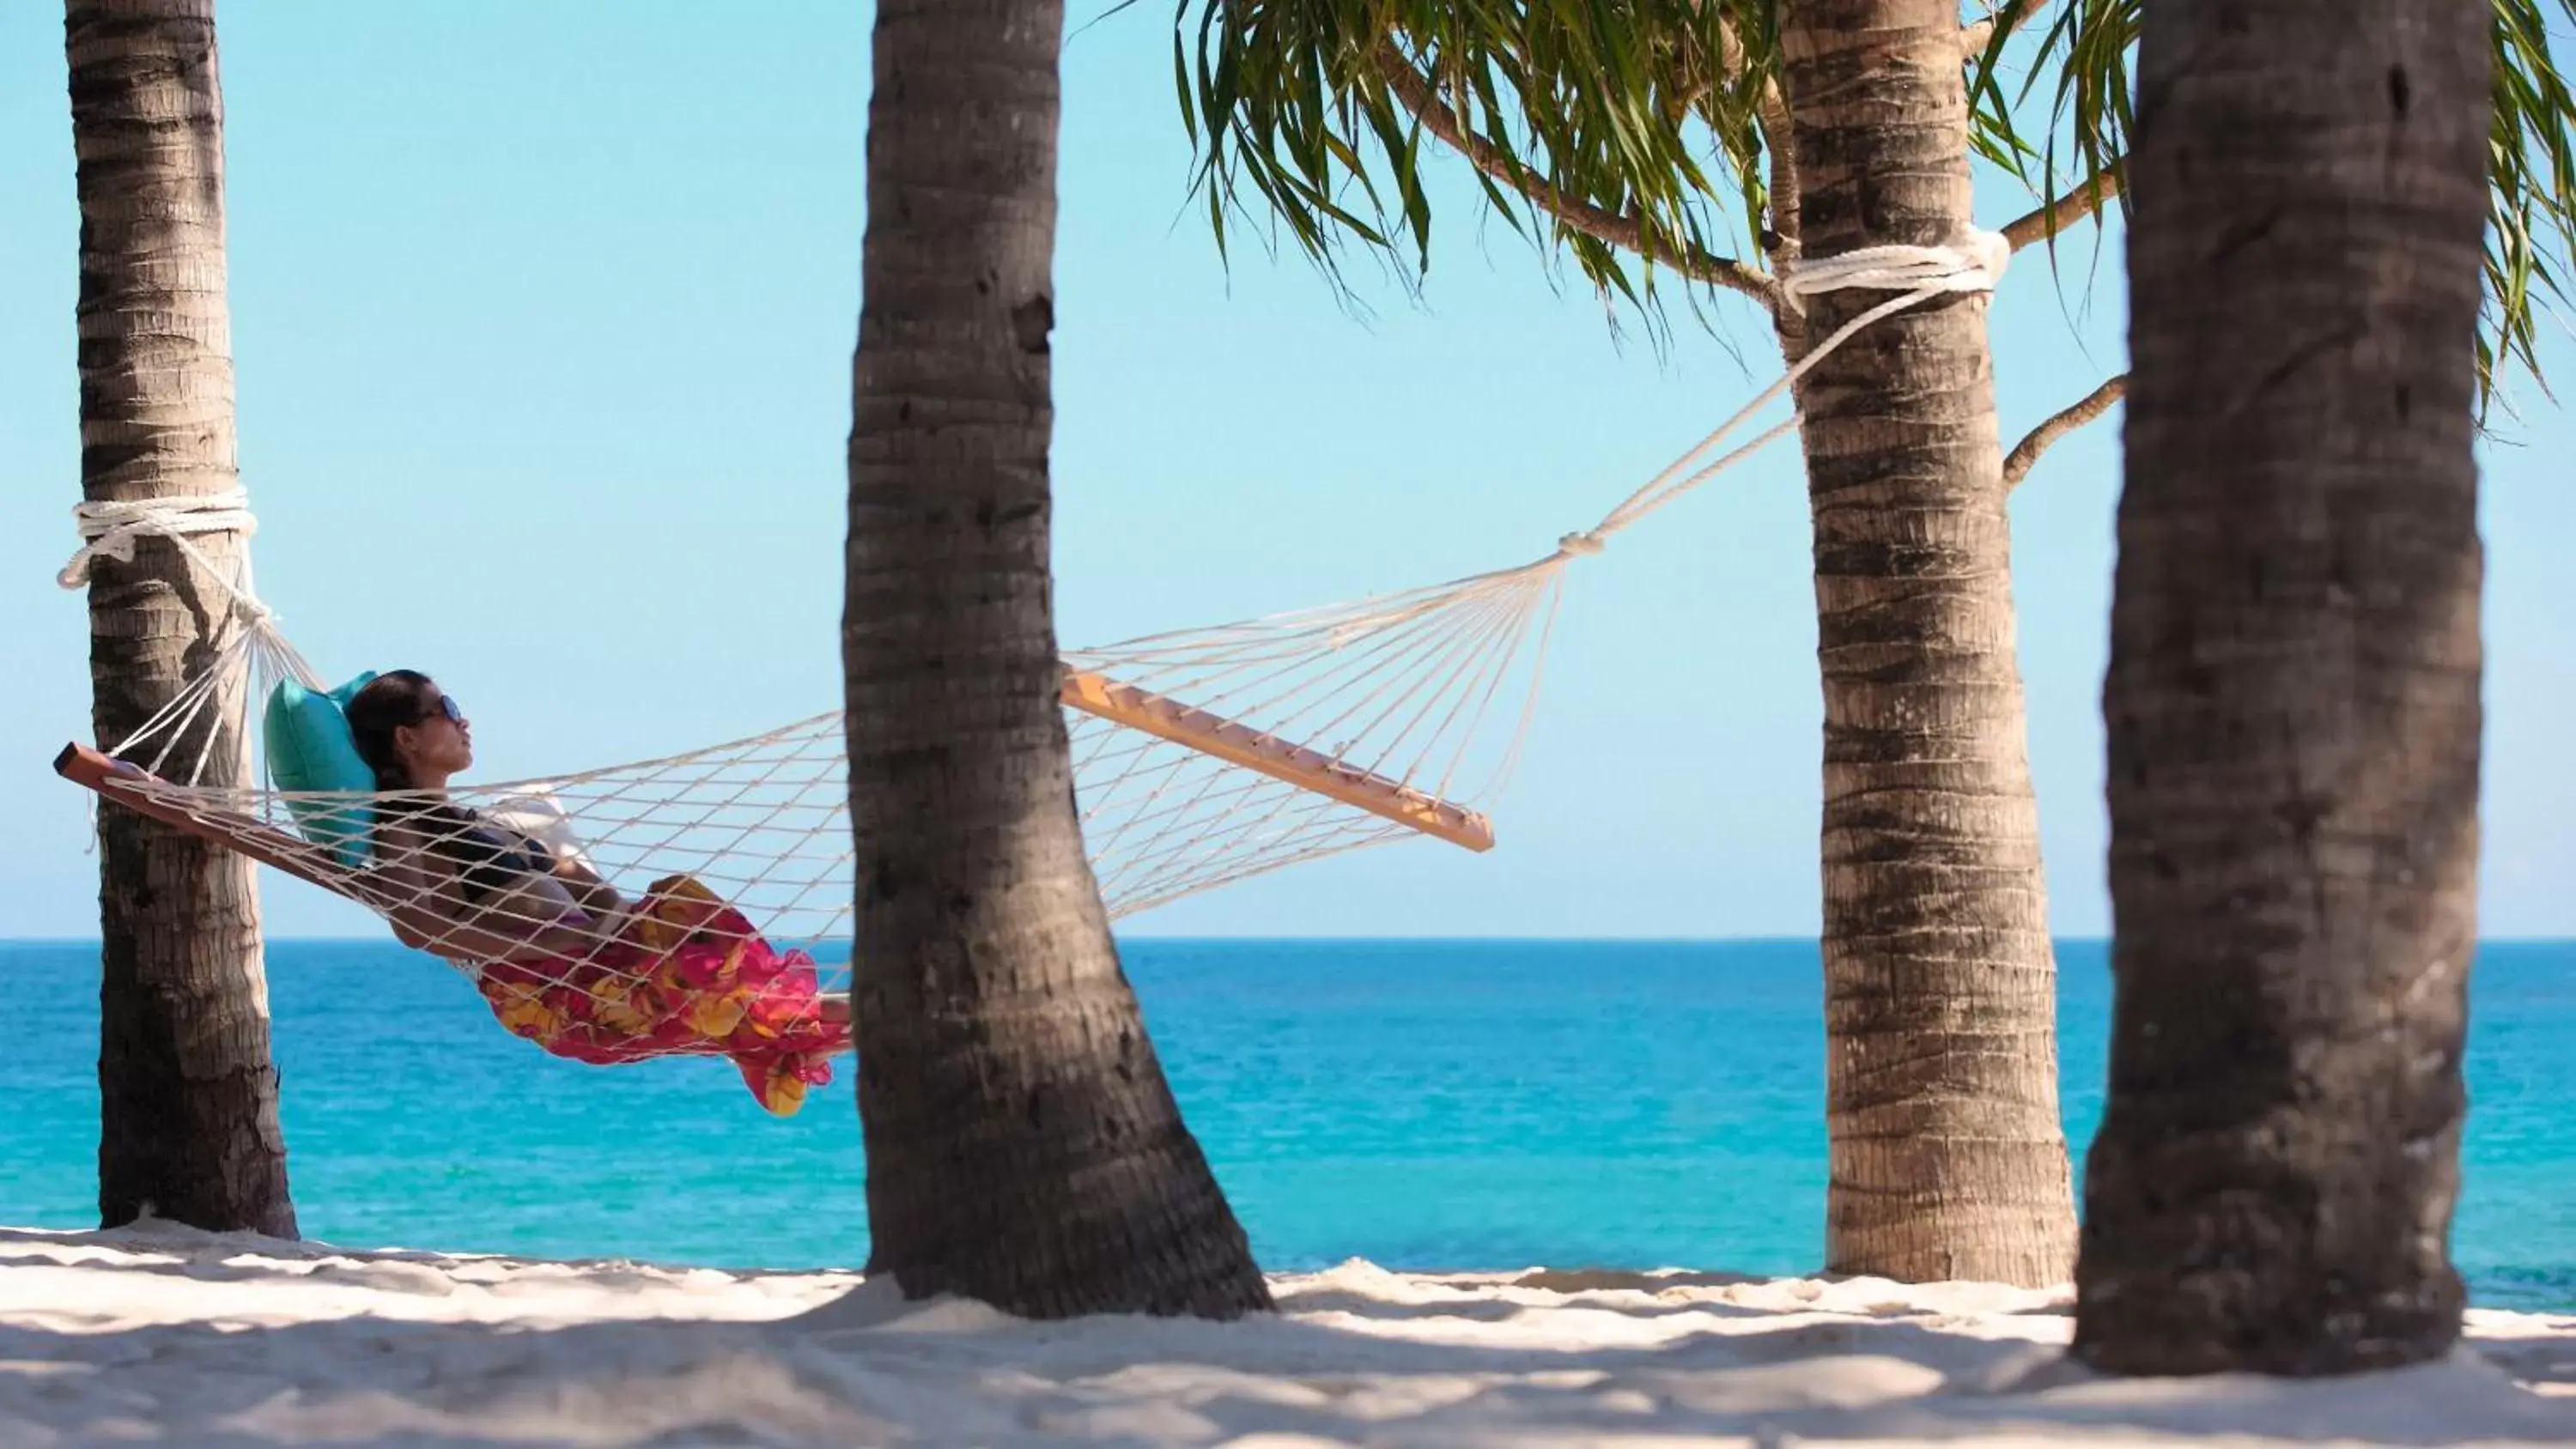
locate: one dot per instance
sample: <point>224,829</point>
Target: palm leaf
<point>1649,113</point>
<point>2084,48</point>
<point>2531,192</point>
<point>1296,120</point>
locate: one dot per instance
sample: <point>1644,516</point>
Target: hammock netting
<point>699,904</point>
<point>1200,758</point>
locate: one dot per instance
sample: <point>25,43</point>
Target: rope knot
<point>109,526</point>
<point>1973,265</point>
<point>1580,545</point>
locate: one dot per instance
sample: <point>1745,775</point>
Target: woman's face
<point>442,743</point>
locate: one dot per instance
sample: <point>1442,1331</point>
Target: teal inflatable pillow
<point>309,746</point>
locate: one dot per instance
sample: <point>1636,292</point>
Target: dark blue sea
<point>1422,1104</point>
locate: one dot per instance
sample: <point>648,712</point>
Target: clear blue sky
<point>543,319</point>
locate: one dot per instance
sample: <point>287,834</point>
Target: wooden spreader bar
<point>1238,744</point>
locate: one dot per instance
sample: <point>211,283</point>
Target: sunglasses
<point>447,706</point>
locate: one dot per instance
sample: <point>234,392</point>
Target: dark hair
<point>395,699</point>
<point>398,699</point>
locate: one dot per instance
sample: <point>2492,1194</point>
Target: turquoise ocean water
<point>1468,1104</point>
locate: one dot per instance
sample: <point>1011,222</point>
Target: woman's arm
<point>597,896</point>
<point>428,890</point>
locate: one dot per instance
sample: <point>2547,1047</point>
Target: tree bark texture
<point>188,1093</point>
<point>2293,697</point>
<point>1948,1154</point>
<point>1023,1145</point>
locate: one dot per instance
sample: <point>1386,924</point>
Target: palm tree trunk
<point>1948,1155</point>
<point>1023,1146</point>
<point>188,1094</point>
<point>2292,703</point>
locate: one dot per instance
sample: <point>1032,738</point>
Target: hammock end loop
<point>116,543</point>
<point>1974,263</point>
<point>1993,251</point>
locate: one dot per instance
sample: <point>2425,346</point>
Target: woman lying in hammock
<point>562,957</point>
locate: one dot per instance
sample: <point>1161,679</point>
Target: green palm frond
<point>1311,116</point>
<point>2531,181</point>
<point>1640,124</point>
<point>2083,49</point>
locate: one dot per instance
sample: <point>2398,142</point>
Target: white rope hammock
<point>1200,757</point>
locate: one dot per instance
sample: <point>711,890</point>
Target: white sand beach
<point>161,1335</point>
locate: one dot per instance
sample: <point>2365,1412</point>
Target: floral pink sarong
<point>688,976</point>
